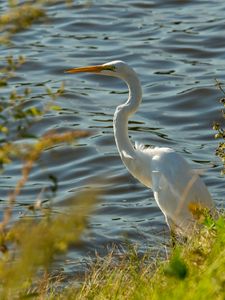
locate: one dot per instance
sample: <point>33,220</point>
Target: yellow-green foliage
<point>6,72</point>
<point>28,247</point>
<point>31,244</point>
<point>30,154</point>
<point>21,16</point>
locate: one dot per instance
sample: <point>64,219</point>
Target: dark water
<point>178,49</point>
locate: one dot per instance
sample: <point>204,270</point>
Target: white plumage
<point>176,187</point>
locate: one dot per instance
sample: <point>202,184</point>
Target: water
<point>178,49</point>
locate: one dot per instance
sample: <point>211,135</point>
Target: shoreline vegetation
<point>194,269</point>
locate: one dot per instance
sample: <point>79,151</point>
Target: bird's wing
<point>170,177</point>
<point>139,146</point>
<point>177,188</point>
<point>163,188</point>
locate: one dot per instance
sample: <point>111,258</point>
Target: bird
<point>178,189</point>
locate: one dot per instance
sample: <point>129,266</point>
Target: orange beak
<point>89,69</point>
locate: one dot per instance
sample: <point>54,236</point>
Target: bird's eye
<point>110,68</point>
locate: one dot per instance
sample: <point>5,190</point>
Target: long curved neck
<point>123,112</point>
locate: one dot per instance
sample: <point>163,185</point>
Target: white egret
<point>177,189</point>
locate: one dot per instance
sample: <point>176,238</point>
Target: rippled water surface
<point>178,49</point>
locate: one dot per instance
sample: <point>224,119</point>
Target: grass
<point>194,270</point>
<point>31,244</point>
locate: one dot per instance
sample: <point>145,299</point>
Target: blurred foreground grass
<point>28,246</point>
<point>22,15</point>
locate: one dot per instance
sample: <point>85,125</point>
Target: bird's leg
<point>173,238</point>
<point>173,234</point>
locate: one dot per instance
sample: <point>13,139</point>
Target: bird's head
<point>115,68</point>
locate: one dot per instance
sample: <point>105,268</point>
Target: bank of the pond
<point>194,270</point>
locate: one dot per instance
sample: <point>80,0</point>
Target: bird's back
<point>177,188</point>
